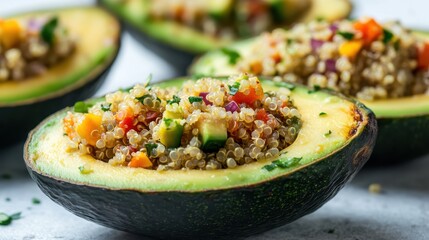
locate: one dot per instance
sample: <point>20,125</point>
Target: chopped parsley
<point>142,98</point>
<point>85,169</point>
<point>322,114</point>
<point>387,35</point>
<point>233,55</point>
<point>48,30</point>
<point>106,107</point>
<point>195,99</point>
<point>282,163</point>
<point>150,147</point>
<point>36,201</point>
<point>346,35</point>
<point>175,99</point>
<point>328,133</point>
<point>6,219</point>
<point>290,86</point>
<point>316,88</point>
<point>233,89</point>
<point>82,107</point>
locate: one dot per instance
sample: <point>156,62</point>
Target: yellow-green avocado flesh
<point>403,122</point>
<point>135,12</point>
<point>211,203</point>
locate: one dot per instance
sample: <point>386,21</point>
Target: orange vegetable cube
<point>90,128</point>
<point>423,58</point>
<point>140,160</point>
<point>370,30</point>
<point>11,33</point>
<point>351,48</point>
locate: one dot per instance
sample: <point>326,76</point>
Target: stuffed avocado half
<point>201,185</point>
<point>200,26</point>
<point>50,61</point>
<point>383,65</point>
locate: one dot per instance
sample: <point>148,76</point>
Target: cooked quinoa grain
<point>29,48</point>
<point>208,124</point>
<point>360,58</point>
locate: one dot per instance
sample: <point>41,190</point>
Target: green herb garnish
<point>290,86</point>
<point>150,147</point>
<point>48,30</point>
<point>322,114</point>
<point>82,107</point>
<point>195,99</point>
<point>233,89</point>
<point>84,169</point>
<point>282,163</point>
<point>387,35</point>
<point>289,41</point>
<point>35,201</point>
<point>346,35</point>
<point>105,107</point>
<point>175,99</point>
<point>233,55</point>
<point>6,219</point>
<point>316,88</point>
<point>328,133</point>
<point>142,98</point>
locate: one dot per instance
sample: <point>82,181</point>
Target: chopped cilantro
<point>290,86</point>
<point>387,35</point>
<point>35,201</point>
<point>290,41</point>
<point>175,99</point>
<point>233,55</point>
<point>282,163</point>
<point>48,30</point>
<point>322,114</point>
<point>316,88</point>
<point>346,35</point>
<point>328,133</point>
<point>233,89</point>
<point>142,98</point>
<point>105,107</point>
<point>269,167</point>
<point>150,147</point>
<point>195,99</point>
<point>84,169</point>
<point>6,219</point>
<point>82,107</point>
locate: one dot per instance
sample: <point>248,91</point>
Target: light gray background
<point>400,212</point>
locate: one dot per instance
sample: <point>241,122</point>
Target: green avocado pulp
<point>338,132</point>
<point>191,40</point>
<point>93,54</point>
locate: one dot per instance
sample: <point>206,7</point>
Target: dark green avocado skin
<point>17,121</point>
<point>215,214</point>
<point>400,139</point>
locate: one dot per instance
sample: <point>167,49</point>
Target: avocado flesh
<point>170,132</point>
<point>402,122</point>
<point>212,204</point>
<point>193,41</point>
<point>213,134</point>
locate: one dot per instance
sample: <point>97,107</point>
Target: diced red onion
<point>232,107</point>
<point>316,44</point>
<point>34,25</point>
<point>204,96</point>
<point>333,28</point>
<point>330,65</point>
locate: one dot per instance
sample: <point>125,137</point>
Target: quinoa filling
<point>28,48</point>
<point>360,58</point>
<point>207,124</point>
<point>238,18</point>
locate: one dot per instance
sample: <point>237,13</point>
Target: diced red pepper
<point>249,99</point>
<point>261,114</point>
<point>423,59</point>
<point>370,30</point>
<point>127,124</point>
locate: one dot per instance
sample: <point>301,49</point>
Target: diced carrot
<point>423,59</point>
<point>140,160</point>
<point>276,57</point>
<point>256,68</point>
<point>351,48</point>
<point>261,114</point>
<point>11,33</point>
<point>90,128</point>
<point>250,98</point>
<point>370,30</point>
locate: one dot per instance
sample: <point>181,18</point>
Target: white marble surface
<point>400,212</point>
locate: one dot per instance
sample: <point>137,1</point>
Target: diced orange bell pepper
<point>256,67</point>
<point>254,94</point>
<point>140,160</point>
<point>90,128</point>
<point>423,59</point>
<point>351,48</point>
<point>11,33</point>
<point>370,30</point>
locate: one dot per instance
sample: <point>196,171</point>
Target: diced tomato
<point>249,99</point>
<point>370,30</point>
<point>261,114</point>
<point>423,59</point>
<point>140,160</point>
<point>127,124</point>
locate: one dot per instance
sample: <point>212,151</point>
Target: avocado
<point>170,132</point>
<point>226,203</point>
<point>213,134</point>
<point>25,103</point>
<point>402,122</point>
<point>189,40</point>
